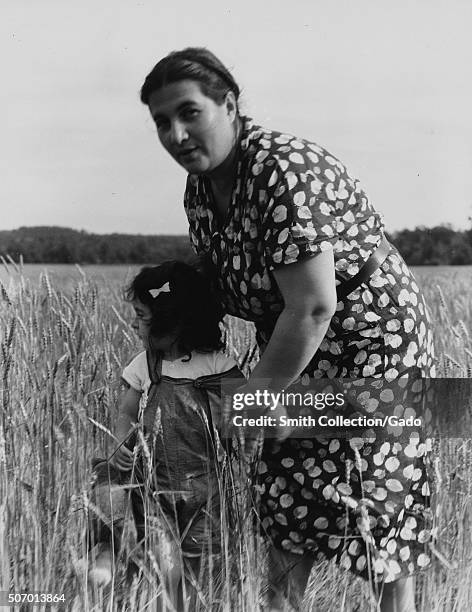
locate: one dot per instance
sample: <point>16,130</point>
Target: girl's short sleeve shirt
<point>291,200</point>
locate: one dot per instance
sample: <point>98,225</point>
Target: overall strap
<point>154,363</point>
<point>213,382</point>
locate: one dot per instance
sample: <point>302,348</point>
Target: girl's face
<point>142,326</point>
<point>142,320</point>
<point>197,132</point>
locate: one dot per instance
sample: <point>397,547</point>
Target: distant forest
<point>439,245</point>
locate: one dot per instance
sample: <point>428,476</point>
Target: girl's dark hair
<point>189,306</point>
<point>196,64</point>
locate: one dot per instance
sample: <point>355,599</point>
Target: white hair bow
<point>164,289</point>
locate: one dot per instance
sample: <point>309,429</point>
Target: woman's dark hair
<point>196,64</point>
<point>189,306</point>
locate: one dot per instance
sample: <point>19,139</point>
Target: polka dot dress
<point>363,500</point>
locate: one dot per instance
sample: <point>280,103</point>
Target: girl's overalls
<point>178,477</point>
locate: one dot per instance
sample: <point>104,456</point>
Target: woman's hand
<point>251,437</point>
<point>282,431</point>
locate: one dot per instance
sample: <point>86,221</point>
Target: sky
<point>384,86</point>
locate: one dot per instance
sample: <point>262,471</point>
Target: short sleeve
<point>135,373</point>
<point>299,221</point>
<point>223,363</point>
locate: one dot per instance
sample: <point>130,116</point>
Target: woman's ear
<point>231,105</point>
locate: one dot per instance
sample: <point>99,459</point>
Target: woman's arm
<point>309,292</point>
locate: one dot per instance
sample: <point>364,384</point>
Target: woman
<point>297,248</point>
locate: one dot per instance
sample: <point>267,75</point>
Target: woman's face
<point>193,128</point>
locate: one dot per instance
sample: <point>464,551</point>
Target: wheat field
<point>62,350</point>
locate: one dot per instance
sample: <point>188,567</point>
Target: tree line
<point>65,245</point>
<point>440,245</point>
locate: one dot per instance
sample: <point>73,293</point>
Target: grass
<point>62,351</point>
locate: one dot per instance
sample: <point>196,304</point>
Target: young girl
<point>174,394</point>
